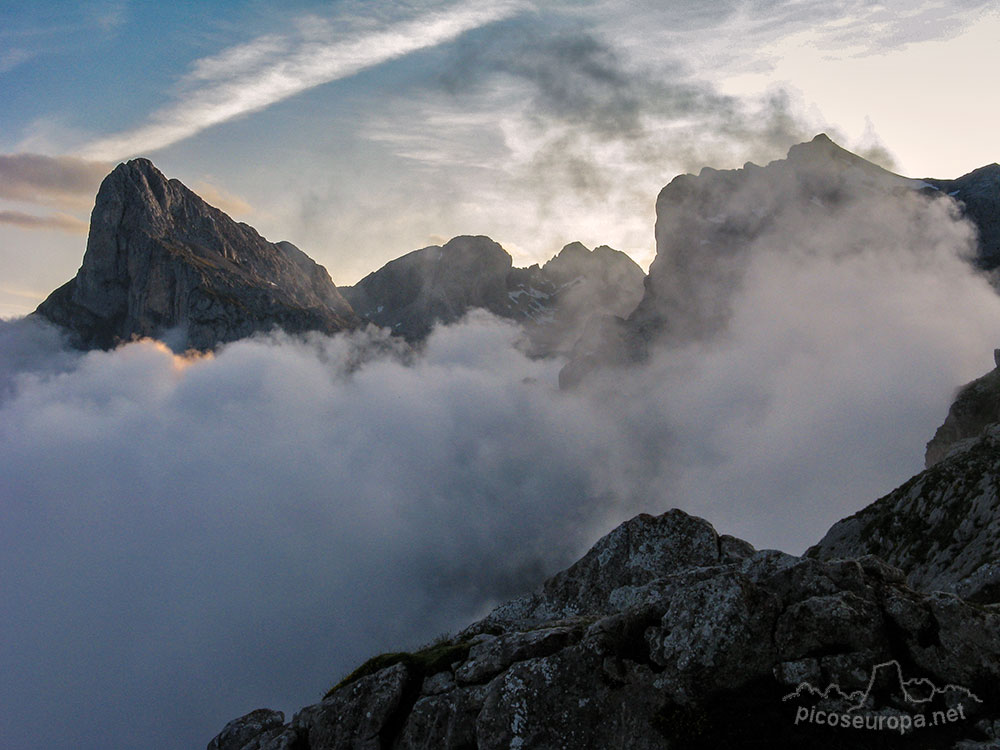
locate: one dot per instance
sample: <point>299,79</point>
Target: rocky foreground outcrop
<point>161,262</point>
<point>942,527</point>
<point>667,635</point>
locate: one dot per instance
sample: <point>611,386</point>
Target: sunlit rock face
<point>162,262</point>
<point>668,635</point>
<point>554,302</point>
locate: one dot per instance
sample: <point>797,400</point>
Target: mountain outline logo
<point>910,689</point>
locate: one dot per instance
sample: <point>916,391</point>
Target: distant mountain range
<point>161,262</point>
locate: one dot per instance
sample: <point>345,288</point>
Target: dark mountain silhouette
<point>161,262</point>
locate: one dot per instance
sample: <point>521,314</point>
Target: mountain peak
<point>160,259</point>
<point>823,153</point>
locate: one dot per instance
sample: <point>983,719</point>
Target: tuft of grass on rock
<point>423,663</point>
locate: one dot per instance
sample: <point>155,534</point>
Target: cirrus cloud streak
<point>253,76</point>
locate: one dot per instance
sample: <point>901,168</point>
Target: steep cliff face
<point>666,635</point>
<point>162,262</point>
<point>708,226</point>
<point>976,407</point>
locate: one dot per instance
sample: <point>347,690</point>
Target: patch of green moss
<point>422,663</point>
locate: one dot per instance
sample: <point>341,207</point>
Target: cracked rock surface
<point>667,635</point>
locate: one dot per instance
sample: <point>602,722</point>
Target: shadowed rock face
<point>978,193</point>
<point>709,227</point>
<point>435,284</point>
<point>976,407</point>
<point>706,226</point>
<point>667,635</point>
<point>555,302</point>
<point>162,262</point>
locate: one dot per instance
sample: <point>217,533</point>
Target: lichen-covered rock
<point>494,654</point>
<point>715,633</point>
<point>244,732</point>
<point>611,575</point>
<point>667,636</point>
<point>161,262</point>
<point>942,527</point>
<point>443,721</point>
<point>569,700</point>
<point>361,716</point>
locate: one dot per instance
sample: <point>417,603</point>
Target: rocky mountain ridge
<point>161,262</point>
<point>440,284</point>
<point>668,635</point>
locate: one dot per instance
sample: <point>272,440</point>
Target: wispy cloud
<point>60,222</point>
<point>66,182</point>
<point>253,76</point>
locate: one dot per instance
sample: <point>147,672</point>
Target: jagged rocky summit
<point>161,262</point>
<point>668,635</point>
<point>710,225</point>
<point>439,284</point>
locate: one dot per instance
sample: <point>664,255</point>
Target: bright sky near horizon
<point>362,130</point>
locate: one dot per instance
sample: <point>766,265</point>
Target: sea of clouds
<point>184,538</point>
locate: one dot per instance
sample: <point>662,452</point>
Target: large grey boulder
<point>250,731</point>
<point>161,262</point>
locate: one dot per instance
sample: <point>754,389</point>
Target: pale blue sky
<point>363,130</point>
